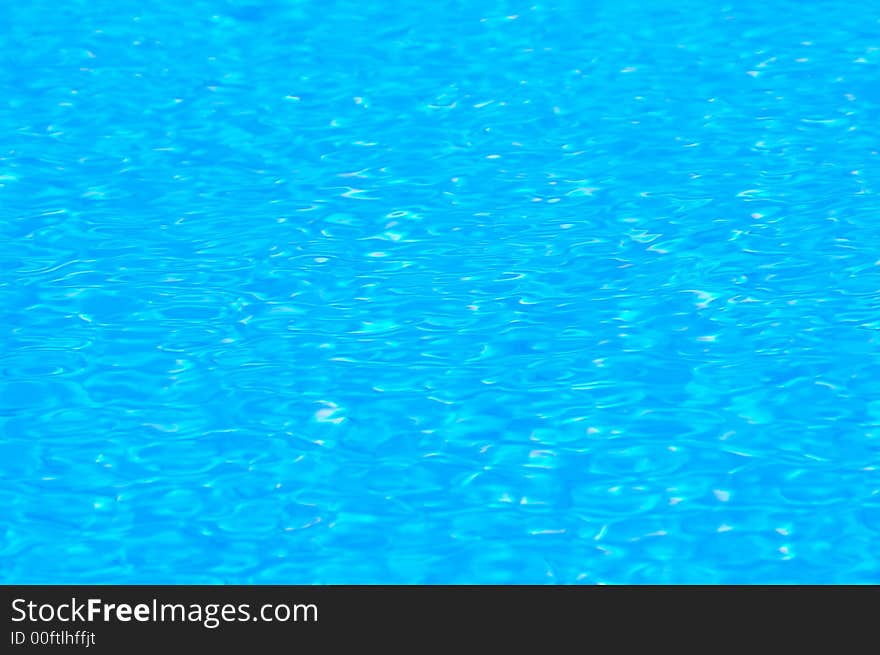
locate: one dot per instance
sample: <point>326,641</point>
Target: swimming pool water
<point>457,292</point>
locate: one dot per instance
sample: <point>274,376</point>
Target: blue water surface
<point>454,292</point>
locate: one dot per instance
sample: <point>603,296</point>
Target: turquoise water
<point>462,292</point>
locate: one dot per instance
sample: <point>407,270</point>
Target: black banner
<point>121,619</point>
